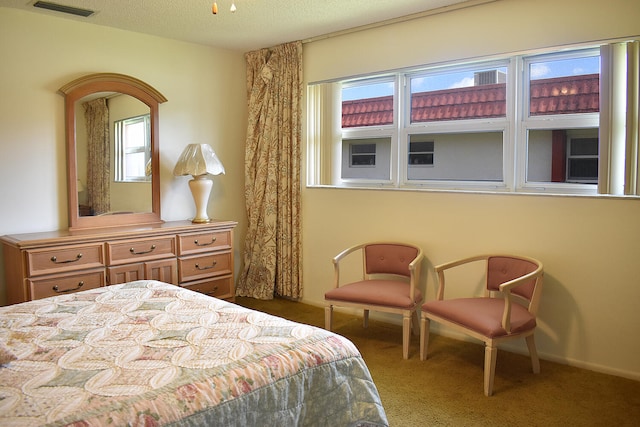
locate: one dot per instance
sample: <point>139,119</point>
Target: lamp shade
<point>198,159</point>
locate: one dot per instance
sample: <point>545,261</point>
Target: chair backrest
<point>501,269</point>
<point>389,258</point>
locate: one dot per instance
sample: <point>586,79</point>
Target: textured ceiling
<point>255,24</point>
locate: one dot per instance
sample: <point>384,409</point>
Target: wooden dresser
<point>195,256</point>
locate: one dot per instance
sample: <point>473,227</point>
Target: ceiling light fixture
<point>214,8</point>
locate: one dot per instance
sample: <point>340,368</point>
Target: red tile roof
<point>579,94</point>
<point>462,103</point>
<point>367,112</point>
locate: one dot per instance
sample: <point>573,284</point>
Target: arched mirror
<point>112,151</point>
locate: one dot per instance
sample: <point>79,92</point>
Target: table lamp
<point>199,161</point>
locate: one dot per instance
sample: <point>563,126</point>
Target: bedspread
<point>147,353</point>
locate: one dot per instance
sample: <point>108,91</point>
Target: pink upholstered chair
<point>389,284</point>
<point>506,311</point>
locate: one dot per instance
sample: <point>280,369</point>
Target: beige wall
<point>590,246</point>
<point>205,88</point>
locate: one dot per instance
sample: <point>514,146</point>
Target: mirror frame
<point>110,82</point>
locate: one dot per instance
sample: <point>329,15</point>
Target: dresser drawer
<point>127,251</point>
<point>203,266</point>
<point>67,283</point>
<point>63,258</point>
<point>207,241</point>
<point>219,287</point>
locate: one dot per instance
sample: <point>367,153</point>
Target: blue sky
<point>538,70</point>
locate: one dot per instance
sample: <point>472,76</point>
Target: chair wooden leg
<point>328,317</point>
<point>490,355</point>
<point>415,323</point>
<point>535,361</point>
<point>365,319</point>
<point>406,334</point>
<point>424,337</point>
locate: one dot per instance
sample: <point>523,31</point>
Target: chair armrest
<point>346,252</point>
<point>451,264</point>
<point>506,287</point>
<point>414,272</point>
<point>440,269</point>
<point>336,262</point>
<point>414,266</point>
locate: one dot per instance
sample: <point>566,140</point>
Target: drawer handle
<point>213,239</point>
<point>213,264</point>
<point>212,292</point>
<point>133,251</point>
<point>56,289</point>
<point>55,259</point>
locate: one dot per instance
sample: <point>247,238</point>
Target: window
<point>582,160</point>
<point>133,149</point>
<point>562,101</point>
<point>363,155</point>
<point>367,159</point>
<point>420,152</point>
<point>462,111</point>
<point>524,123</point>
<point>367,125</point>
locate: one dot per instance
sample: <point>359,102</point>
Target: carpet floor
<point>447,388</point>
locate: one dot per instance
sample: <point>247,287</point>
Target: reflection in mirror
<point>112,151</point>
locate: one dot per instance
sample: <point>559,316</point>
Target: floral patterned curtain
<point>272,253</point>
<point>96,114</point>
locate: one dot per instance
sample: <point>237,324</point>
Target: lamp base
<point>201,220</point>
<point>200,187</point>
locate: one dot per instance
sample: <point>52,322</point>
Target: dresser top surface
<point>27,240</point>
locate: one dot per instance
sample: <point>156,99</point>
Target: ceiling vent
<point>64,9</point>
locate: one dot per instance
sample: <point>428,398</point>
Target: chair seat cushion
<point>482,315</point>
<point>388,293</point>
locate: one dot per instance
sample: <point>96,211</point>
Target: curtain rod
<point>431,12</point>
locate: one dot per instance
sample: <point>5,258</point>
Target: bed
<point>147,353</point>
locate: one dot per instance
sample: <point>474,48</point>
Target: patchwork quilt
<point>148,353</point>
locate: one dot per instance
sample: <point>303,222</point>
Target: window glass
<point>369,103</point>
<point>564,86</point>
<point>366,159</point>
<point>470,156</point>
<point>582,160</point>
<point>563,155</point>
<point>363,155</point>
<point>459,95</point>
<point>134,165</point>
<point>420,151</point>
